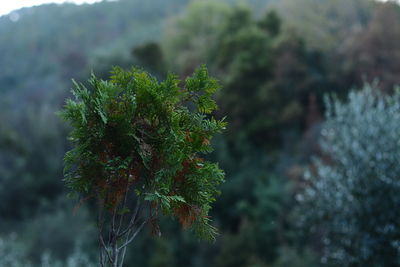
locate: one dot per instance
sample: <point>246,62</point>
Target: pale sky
<point>6,6</point>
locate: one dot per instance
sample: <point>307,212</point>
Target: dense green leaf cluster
<point>134,132</point>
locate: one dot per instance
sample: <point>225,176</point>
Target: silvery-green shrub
<point>351,200</point>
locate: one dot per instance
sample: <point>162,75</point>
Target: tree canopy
<point>136,139</point>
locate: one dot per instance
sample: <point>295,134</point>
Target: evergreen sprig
<point>137,138</point>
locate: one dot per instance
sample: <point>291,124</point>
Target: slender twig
<point>113,220</point>
<point>101,257</point>
<point>105,248</point>
<point>123,213</point>
<point>111,251</point>
<point>134,234</point>
<point>115,252</point>
<point>133,219</point>
<point>100,227</point>
<point>124,249</point>
<point>128,230</point>
<point>122,257</point>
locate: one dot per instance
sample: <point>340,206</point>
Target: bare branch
<point>105,248</point>
<point>134,234</point>
<point>102,245</point>
<point>123,214</point>
<point>113,220</point>
<point>122,257</point>
<point>132,220</point>
<point>129,229</point>
<point>101,258</point>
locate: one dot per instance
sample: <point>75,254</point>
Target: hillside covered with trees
<point>309,153</point>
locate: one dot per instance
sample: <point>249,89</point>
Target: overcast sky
<point>6,6</point>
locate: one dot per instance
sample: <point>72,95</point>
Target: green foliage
<point>272,75</point>
<point>12,254</point>
<point>29,159</point>
<point>292,258</point>
<point>150,56</point>
<point>76,40</point>
<point>325,24</point>
<point>65,227</point>
<point>186,42</point>
<point>274,67</point>
<point>351,194</point>
<point>374,46</point>
<point>134,132</point>
<point>271,23</point>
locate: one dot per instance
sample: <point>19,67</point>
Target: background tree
<point>150,57</point>
<point>137,149</point>
<point>273,74</point>
<point>351,194</point>
<point>324,25</point>
<point>372,54</point>
<point>186,42</point>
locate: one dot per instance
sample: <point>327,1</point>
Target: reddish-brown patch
<point>186,214</point>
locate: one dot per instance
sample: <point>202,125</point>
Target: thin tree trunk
<point>113,247</point>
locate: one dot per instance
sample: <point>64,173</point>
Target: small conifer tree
<point>137,153</point>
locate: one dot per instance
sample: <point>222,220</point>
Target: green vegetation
<point>275,60</point>
<point>136,140</point>
<point>352,195</point>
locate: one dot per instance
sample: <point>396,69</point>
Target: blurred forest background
<point>309,182</point>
